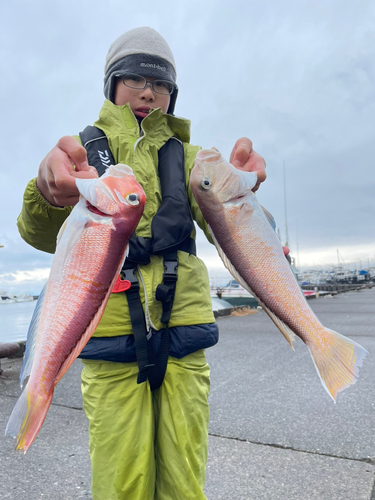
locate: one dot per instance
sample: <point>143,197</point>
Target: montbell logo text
<point>151,65</point>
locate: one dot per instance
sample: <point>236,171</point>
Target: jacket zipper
<point>135,145</point>
<point>147,312</point>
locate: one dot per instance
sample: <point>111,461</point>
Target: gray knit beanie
<point>141,51</point>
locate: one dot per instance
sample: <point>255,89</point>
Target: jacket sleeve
<point>190,154</point>
<point>39,222</point>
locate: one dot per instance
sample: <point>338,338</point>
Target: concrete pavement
<point>274,431</point>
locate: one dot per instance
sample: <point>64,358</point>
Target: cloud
<point>353,256</point>
<point>34,275</point>
<point>296,77</point>
<point>31,281</point>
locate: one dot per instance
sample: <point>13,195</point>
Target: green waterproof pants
<point>147,445</point>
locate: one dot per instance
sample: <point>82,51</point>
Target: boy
<point>148,429</point>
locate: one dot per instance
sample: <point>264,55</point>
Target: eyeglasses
<point>138,82</point>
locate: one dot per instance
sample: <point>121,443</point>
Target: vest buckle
<point>129,275</point>
<point>170,270</point>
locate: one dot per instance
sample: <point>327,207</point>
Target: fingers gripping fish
<point>91,248</point>
<point>253,254</point>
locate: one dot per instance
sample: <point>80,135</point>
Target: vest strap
<point>137,318</point>
<point>150,365</point>
<point>165,292</point>
<point>157,372</point>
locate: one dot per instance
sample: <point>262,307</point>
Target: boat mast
<point>341,260</point>
<point>297,244</point>
<point>286,221</point>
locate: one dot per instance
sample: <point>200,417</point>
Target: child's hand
<point>56,176</point>
<point>244,157</point>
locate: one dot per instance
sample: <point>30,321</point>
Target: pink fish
<point>91,248</point>
<point>253,254</point>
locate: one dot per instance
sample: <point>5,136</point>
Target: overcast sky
<point>297,77</point>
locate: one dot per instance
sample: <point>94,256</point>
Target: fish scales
<point>267,270</point>
<point>251,251</point>
<point>90,251</point>
<point>86,291</point>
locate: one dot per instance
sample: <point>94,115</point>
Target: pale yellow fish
<point>253,254</point>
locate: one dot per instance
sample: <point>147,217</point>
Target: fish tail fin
<point>27,418</point>
<point>337,360</point>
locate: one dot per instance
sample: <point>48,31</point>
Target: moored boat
<point>235,294</point>
<point>5,299</point>
<point>10,298</point>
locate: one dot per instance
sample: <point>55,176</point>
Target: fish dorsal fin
<point>31,340</point>
<point>284,329</point>
<point>269,217</point>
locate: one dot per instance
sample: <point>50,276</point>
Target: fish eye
<point>133,199</point>
<point>206,183</point>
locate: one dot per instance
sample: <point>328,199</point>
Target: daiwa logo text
<point>104,157</point>
<point>151,65</point>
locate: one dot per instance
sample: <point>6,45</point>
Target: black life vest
<point>171,227</point>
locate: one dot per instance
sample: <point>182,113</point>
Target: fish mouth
<point>96,210</point>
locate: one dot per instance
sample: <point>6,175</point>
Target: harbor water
<point>14,320</point>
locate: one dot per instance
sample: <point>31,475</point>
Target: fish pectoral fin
<point>284,329</point>
<point>245,213</point>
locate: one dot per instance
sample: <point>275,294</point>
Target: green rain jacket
<point>39,222</point>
